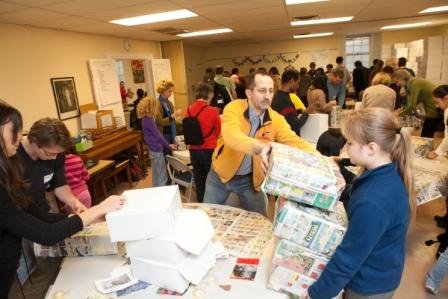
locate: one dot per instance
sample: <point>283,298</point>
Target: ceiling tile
<point>37,3</point>
<point>88,6</point>
<point>8,7</point>
<point>29,16</point>
<point>65,23</point>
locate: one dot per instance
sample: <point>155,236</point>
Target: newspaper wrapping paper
<point>304,177</point>
<point>299,259</point>
<point>421,145</point>
<point>243,233</point>
<point>319,231</point>
<point>410,121</point>
<point>430,184</point>
<point>93,240</point>
<point>286,280</point>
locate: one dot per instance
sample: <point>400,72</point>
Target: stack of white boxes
<point>168,246</point>
<point>310,221</point>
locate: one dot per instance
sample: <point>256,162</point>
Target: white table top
<point>78,273</point>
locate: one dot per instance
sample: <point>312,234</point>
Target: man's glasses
<point>49,154</point>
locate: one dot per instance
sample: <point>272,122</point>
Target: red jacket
<point>208,120</point>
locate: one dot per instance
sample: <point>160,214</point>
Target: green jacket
<point>420,91</point>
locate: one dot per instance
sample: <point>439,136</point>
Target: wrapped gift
<point>315,229</point>
<point>304,177</point>
<point>286,280</point>
<point>299,259</point>
<point>421,145</point>
<point>91,241</point>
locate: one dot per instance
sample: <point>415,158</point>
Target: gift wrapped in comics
<point>304,177</point>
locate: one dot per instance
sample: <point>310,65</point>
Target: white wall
<point>29,57</point>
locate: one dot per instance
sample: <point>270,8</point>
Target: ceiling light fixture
<point>321,21</point>
<point>308,35</point>
<point>404,26</point>
<point>155,18</point>
<point>205,32</point>
<point>292,2</point>
<point>435,9</point>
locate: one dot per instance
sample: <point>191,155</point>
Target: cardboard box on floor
<point>147,213</point>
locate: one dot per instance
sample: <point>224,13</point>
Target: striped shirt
<point>76,174</point>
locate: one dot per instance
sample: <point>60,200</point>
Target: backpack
<point>192,129</point>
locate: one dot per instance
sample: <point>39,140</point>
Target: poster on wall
<point>64,91</point>
<point>138,71</point>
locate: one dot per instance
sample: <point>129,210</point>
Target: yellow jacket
<point>234,141</point>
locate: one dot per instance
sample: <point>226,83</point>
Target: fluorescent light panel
<point>155,18</point>
<point>313,35</point>
<point>404,26</point>
<point>435,9</point>
<point>205,32</point>
<point>321,21</point>
<point>292,2</point>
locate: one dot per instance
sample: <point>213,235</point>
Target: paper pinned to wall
<point>105,81</point>
<point>402,52</point>
<point>106,86</point>
<point>161,70</point>
<point>320,58</point>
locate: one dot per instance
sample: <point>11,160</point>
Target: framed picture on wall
<point>138,71</point>
<point>64,91</point>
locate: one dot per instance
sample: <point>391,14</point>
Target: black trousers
<point>201,161</point>
<point>429,126</point>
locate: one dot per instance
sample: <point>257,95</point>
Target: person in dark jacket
<point>360,78</point>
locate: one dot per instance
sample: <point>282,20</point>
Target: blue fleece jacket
<point>370,258</point>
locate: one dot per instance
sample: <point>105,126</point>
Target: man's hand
<point>398,111</point>
<point>263,150</point>
<point>78,207</point>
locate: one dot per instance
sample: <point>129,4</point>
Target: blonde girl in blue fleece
<point>369,262</point>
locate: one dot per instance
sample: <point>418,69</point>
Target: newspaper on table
<point>421,145</point>
<point>299,259</point>
<point>319,231</point>
<point>241,232</point>
<point>93,240</point>
<point>304,177</point>
<point>286,280</point>
<point>411,121</point>
<point>430,184</point>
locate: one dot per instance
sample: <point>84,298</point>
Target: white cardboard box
<point>175,277</point>
<point>147,213</point>
<point>193,232</point>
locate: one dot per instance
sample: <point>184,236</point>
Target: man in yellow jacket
<point>240,159</point>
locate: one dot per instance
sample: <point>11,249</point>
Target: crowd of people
<point>239,119</point>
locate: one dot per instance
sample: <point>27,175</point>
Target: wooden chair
<point>180,174</point>
<point>119,167</point>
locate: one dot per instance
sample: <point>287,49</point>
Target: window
<point>357,48</point>
<point>120,69</point>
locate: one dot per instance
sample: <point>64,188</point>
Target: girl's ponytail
<point>401,154</point>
